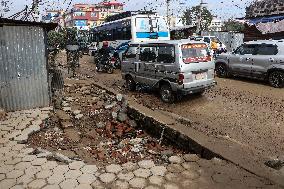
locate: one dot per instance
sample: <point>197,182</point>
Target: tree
<point>233,26</point>
<point>190,17</point>
<point>4,7</point>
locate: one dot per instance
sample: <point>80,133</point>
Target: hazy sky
<point>224,9</point>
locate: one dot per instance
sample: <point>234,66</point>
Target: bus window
<point>166,54</point>
<point>148,54</point>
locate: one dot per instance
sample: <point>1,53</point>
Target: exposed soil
<point>93,126</point>
<point>245,111</point>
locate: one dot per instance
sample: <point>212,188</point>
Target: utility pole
<point>36,10</point>
<point>168,12</point>
<point>199,21</point>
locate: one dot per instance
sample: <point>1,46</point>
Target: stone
<point>73,135</point>
<point>114,115</point>
<point>107,177</point>
<point>76,112</point>
<point>122,117</point>
<point>33,170</point>
<point>191,157</point>
<point>175,159</point>
<point>146,164</point>
<point>98,185</point>
<point>14,174</point>
<point>22,139</point>
<point>79,116</point>
<point>61,169</point>
<point>21,165</point>
<point>7,183</point>
<point>66,124</point>
<point>125,176</point>
<point>67,109</point>
<point>89,169</point>
<point>86,179</point>
<point>72,174</point>
<point>110,106</point>
<point>76,165</point>
<point>138,182</point>
<point>175,168</point>
<point>68,184</point>
<point>18,187</point>
<point>133,123</point>
<point>83,186</point>
<point>100,125</point>
<point>167,153</point>
<point>51,187</point>
<point>130,166</point>
<point>158,170</point>
<point>113,168</point>
<point>62,115</point>
<point>157,180</point>
<point>144,173</point>
<point>171,186</point>
<point>29,158</point>
<point>43,174</point>
<point>39,161</point>
<point>119,97</point>
<point>121,185</point>
<point>36,184</point>
<point>55,178</point>
<point>62,158</point>
<point>190,174</point>
<point>49,165</point>
<point>2,114</point>
<point>152,187</point>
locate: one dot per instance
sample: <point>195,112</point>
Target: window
<point>148,54</point>
<point>166,54</point>
<point>79,14</point>
<point>247,49</point>
<point>131,52</point>
<point>206,40</point>
<point>93,14</point>
<point>267,49</point>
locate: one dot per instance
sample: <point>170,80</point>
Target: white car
<point>209,39</point>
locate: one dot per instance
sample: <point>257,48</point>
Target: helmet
<point>105,43</point>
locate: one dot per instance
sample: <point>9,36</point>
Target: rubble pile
<point>2,114</point>
<point>93,126</point>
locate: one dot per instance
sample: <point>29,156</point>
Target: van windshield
<point>195,53</point>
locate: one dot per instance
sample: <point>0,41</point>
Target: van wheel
<point>276,79</point>
<point>221,70</point>
<point>166,93</point>
<point>130,83</point>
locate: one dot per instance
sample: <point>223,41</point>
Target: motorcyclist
<point>104,52</point>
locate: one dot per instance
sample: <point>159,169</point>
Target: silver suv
<point>255,59</point>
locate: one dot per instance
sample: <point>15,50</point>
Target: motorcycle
<point>105,64</point>
<point>116,60</point>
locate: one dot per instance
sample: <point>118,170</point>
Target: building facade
<point>85,16</point>
<point>216,24</point>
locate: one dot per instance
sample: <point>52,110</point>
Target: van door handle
<point>271,59</point>
<point>247,59</point>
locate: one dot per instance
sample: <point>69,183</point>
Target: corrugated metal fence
<point>231,40</point>
<point>23,73</point>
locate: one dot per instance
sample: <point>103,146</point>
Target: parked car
<point>208,39</point>
<point>92,49</point>
<point>256,59</point>
<point>178,67</point>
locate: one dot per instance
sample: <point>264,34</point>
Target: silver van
<point>174,67</point>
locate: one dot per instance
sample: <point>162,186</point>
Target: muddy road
<point>245,111</point>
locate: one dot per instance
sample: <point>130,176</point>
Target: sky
<point>223,9</point>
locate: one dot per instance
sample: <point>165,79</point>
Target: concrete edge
<point>187,137</point>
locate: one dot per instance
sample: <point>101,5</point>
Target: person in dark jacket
<point>104,54</point>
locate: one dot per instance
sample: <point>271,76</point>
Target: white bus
<point>128,27</point>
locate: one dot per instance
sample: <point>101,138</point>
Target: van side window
<point>166,54</point>
<point>131,52</point>
<point>148,54</point>
<point>206,40</point>
<point>267,49</point>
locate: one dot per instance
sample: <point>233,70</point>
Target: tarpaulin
<point>266,19</point>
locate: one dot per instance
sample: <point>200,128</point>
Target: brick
<point>51,187</point>
<point>36,184</point>
<point>29,158</point>
<point>159,170</point>
<point>83,186</point>
<point>55,178</point>
<point>68,184</point>
<point>39,161</point>
<point>61,169</point>
<point>157,180</point>
<point>43,174</point>
<point>76,165</point>
<point>15,174</point>
<point>7,183</point>
<point>73,174</point>
<point>89,169</point>
<point>113,168</point>
<point>146,164</point>
<point>126,176</point>
<point>144,173</point>
<point>138,182</point>
<point>49,165</point>
<point>86,179</point>
<point>107,177</point>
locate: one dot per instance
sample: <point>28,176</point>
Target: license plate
<point>200,76</point>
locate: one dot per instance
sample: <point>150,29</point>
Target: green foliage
<point>71,36</point>
<point>63,37</point>
<point>190,17</point>
<point>233,26</point>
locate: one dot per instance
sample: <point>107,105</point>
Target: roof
<point>279,42</point>
<point>11,22</point>
<point>174,42</point>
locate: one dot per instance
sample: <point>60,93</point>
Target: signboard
<point>80,22</point>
